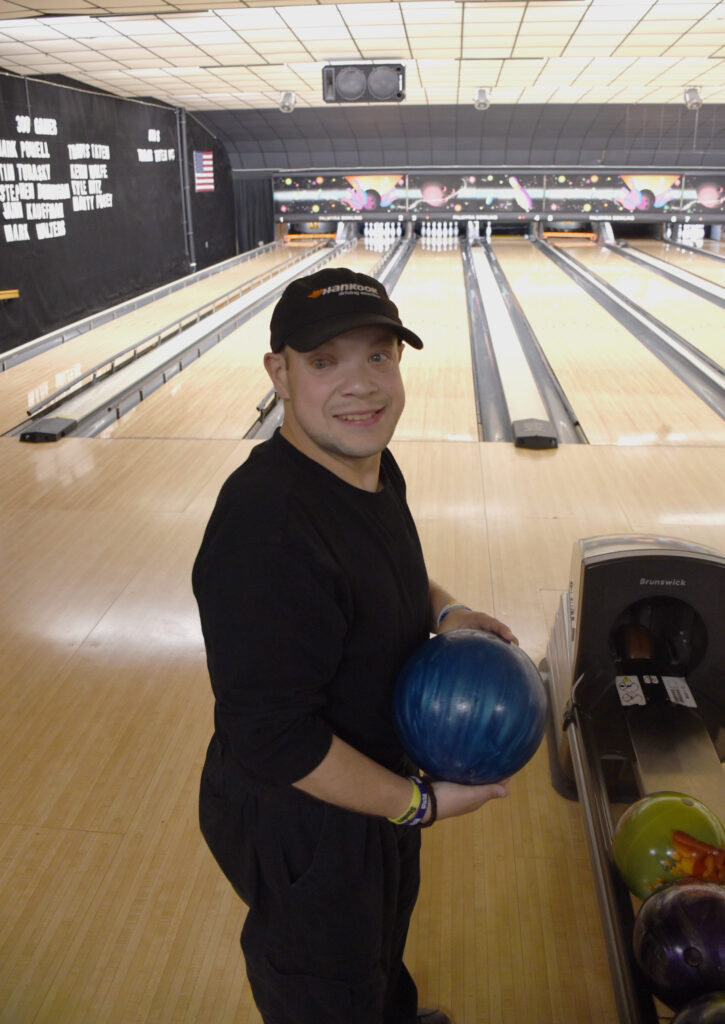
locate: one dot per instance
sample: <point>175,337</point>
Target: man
<point>313,592</point>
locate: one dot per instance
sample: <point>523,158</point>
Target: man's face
<point>342,400</point>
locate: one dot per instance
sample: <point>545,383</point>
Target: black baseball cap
<point>313,309</point>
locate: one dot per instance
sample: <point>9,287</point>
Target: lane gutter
<point>563,417</point>
<point>494,419</point>
<point>700,373</point>
<point>668,271</point>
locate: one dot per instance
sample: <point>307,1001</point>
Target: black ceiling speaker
<point>363,83</point>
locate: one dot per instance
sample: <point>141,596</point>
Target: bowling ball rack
<point>635,668</point>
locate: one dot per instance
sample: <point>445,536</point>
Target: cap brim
<point>310,337</point>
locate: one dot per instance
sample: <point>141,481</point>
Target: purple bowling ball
<point>679,941</point>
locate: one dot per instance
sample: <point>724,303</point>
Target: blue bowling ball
<point>469,707</point>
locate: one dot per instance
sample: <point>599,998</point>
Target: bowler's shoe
<point>425,1016</point>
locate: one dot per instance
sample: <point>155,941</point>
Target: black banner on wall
<point>90,203</point>
<point>254,206</point>
<point>212,210</point>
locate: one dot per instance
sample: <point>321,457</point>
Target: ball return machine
<point>635,667</point>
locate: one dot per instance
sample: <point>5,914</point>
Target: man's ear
<point>276,366</point>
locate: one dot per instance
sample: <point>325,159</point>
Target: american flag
<point>203,171</point>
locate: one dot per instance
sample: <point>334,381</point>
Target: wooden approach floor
<point>113,911</point>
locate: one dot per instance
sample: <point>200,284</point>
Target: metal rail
<point>135,393</point>
<point>684,278</point>
<point>389,269</point>
<point>493,415</point>
<point>634,1004</point>
<point>693,248</point>
<point>562,415</point>
<point>52,339</point>
<point>132,352</point>
<point>89,411</point>
<point>703,375</point>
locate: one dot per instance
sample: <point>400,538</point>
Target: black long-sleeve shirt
<point>312,594</point>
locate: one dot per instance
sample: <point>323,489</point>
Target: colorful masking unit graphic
<point>522,197</point>
<point>703,193</point>
<point>434,194</point>
<point>601,195</point>
<point>648,191</point>
<point>315,197</point>
<point>311,196</point>
<point>474,195</point>
<point>371,192</point>
<point>500,195</point>
<point>485,196</point>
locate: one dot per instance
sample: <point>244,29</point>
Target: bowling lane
<point>621,393</point>
<point>684,259</point>
<point>701,322</point>
<point>714,245</point>
<point>27,383</point>
<point>216,396</point>
<point>440,399</point>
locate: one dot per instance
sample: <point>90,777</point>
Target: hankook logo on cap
<point>351,289</point>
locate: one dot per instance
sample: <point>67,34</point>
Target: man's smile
<point>367,416</point>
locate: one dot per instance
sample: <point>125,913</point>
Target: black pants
<point>330,895</point>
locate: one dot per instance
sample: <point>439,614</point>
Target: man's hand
<point>453,799</point>
<point>462,618</point>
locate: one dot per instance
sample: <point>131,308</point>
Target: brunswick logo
<point>345,289</point>
<point>644,582</point>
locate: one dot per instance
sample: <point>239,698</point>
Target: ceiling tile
<point>557,50</point>
<point>364,13</point>
<point>258,17</point>
<point>307,15</point>
<point>375,31</point>
<point>509,13</point>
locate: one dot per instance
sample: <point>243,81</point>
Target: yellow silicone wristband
<point>412,807</point>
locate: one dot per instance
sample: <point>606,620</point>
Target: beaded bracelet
<point>447,609</point>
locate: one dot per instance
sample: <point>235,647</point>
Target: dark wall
<point>91,203</point>
<point>349,136</point>
<point>255,211</point>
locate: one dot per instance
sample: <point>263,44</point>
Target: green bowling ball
<point>666,836</point>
